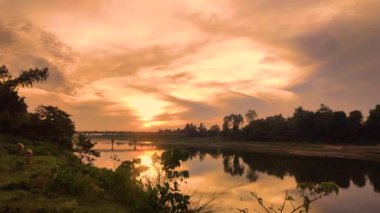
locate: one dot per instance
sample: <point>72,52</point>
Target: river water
<point>229,177</point>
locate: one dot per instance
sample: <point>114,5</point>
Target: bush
<point>69,182</point>
<point>16,185</point>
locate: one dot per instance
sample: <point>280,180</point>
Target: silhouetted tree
<point>372,125</point>
<point>214,130</point>
<point>322,123</point>
<point>54,125</point>
<point>234,121</point>
<point>354,125</point>
<point>202,130</point>
<point>83,146</point>
<point>227,123</point>
<point>190,130</point>
<point>250,116</point>
<point>302,124</point>
<point>13,109</point>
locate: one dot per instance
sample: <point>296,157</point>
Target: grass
<point>24,188</point>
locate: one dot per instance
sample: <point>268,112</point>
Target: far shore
<point>345,151</point>
<point>370,153</point>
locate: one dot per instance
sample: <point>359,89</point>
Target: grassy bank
<point>55,181</point>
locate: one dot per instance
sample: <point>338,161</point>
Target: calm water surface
<point>231,176</point>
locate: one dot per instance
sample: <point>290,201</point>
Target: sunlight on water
<point>231,177</point>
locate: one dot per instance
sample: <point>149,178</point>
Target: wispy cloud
<point>144,65</point>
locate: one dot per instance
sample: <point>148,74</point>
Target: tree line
<point>322,125</point>
<point>47,123</point>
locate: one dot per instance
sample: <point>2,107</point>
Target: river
<point>230,176</point>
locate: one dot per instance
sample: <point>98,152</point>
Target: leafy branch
<point>310,192</point>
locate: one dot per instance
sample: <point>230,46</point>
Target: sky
<point>144,65</point>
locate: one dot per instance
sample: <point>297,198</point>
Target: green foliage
<point>68,181</point>
<point>127,188</point>
<point>164,193</point>
<point>309,192</point>
<point>83,147</point>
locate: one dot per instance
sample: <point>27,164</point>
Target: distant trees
<point>47,123</point>
<point>354,125</point>
<point>250,116</point>
<point>323,125</point>
<point>192,130</point>
<point>234,121</point>
<point>214,130</point>
<point>372,124</point>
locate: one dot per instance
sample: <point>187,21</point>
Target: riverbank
<point>55,181</point>
<point>370,153</point>
<point>362,152</point>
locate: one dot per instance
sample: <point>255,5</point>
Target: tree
<point>227,120</point>
<point>250,116</point>
<point>237,120</point>
<point>322,123</point>
<point>234,120</point>
<point>354,125</point>
<point>214,130</point>
<point>13,109</point>
<point>302,124</point>
<point>83,146</point>
<point>372,125</point>
<point>202,130</point>
<point>55,125</point>
<point>164,192</point>
<point>190,129</point>
<point>25,79</point>
<point>338,127</point>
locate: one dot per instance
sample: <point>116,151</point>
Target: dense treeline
<point>322,125</point>
<point>46,123</point>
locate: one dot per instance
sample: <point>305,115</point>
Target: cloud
<point>131,61</point>
<point>26,46</point>
<point>345,51</point>
<point>139,65</point>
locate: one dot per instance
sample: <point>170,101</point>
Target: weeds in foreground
<point>310,192</point>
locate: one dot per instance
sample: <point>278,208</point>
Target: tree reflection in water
<point>303,169</point>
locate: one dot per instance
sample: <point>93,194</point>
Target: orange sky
<point>144,65</point>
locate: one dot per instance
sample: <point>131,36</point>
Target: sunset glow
<point>144,65</point>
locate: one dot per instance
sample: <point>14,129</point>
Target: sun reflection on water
<point>208,178</point>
